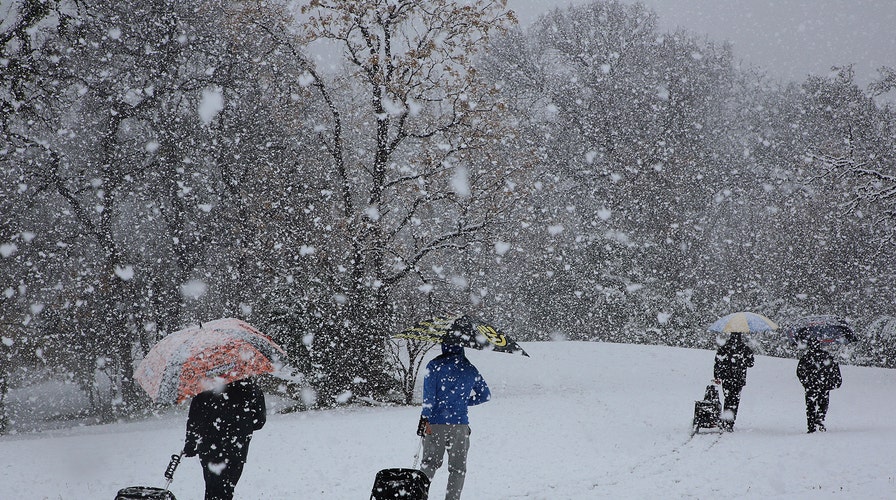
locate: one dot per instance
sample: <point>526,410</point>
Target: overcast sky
<point>790,39</point>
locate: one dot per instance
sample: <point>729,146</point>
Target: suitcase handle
<point>419,451</point>
<point>172,466</point>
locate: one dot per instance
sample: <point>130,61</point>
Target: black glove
<point>422,426</point>
<point>190,450</point>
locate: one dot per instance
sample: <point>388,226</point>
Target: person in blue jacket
<point>451,385</point>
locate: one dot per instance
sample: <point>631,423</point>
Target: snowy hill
<point>574,421</point>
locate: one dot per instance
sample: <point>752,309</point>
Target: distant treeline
<point>333,175</point>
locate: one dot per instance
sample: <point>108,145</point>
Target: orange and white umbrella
<point>203,357</point>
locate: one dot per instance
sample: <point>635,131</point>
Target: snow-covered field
<point>574,421</point>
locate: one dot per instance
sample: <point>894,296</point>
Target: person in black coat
<point>732,360</point>
<point>819,374</point>
<point>219,427</point>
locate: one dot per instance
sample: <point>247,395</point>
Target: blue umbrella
<point>824,328</point>
<point>743,322</point>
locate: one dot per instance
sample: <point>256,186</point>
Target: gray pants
<point>455,439</point>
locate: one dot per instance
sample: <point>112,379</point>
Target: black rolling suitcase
<point>145,493</point>
<point>708,412</point>
<point>401,484</point>
<point>149,492</point>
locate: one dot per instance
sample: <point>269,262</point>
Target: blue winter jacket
<point>450,385</point>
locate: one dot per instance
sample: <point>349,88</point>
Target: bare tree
<point>405,132</point>
<point>625,117</point>
<point>118,156</point>
<point>853,141</point>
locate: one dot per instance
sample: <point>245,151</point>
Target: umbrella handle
<point>172,466</point>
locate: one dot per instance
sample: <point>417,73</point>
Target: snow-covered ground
<point>574,421</point>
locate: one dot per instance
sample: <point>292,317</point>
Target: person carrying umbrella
<point>213,363</point>
<point>219,427</point>
<point>820,374</point>
<point>451,385</point>
<point>732,360</point>
<point>734,357</point>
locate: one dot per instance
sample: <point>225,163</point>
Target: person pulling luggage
<point>730,370</point>
<point>219,427</point>
<point>451,385</point>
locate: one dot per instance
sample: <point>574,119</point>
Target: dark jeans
<point>816,407</point>
<point>222,468</point>
<point>732,401</point>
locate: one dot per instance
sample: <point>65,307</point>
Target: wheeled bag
<point>402,484</point>
<point>708,412</point>
<point>144,493</point>
<point>148,492</point>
